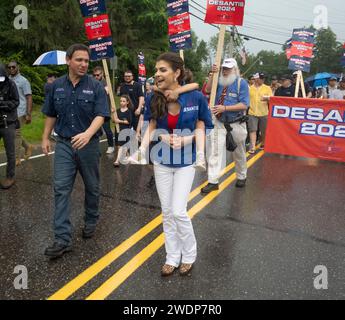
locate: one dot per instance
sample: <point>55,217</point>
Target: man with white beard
<point>232,102</point>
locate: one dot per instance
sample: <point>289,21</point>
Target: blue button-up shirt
<point>234,95</point>
<point>194,107</point>
<point>76,107</point>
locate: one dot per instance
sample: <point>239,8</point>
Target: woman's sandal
<point>251,151</point>
<point>185,269</point>
<point>167,270</point>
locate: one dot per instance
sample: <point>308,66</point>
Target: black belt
<point>65,139</point>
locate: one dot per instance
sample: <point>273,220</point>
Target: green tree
<point>328,52</point>
<point>196,57</point>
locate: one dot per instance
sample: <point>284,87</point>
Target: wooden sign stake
<point>111,93</point>
<point>182,54</point>
<point>300,84</point>
<point>220,48</point>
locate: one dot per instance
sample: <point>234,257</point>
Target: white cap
<point>2,79</point>
<point>256,75</point>
<point>229,63</point>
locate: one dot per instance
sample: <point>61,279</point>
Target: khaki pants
<point>216,150</point>
<point>20,142</point>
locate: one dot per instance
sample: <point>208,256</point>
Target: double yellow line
<point>120,276</point>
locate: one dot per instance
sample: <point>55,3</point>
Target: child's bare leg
<point>200,139</point>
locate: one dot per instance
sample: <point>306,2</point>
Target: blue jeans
<point>109,133</point>
<point>67,163</point>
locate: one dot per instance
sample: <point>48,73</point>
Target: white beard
<point>227,81</point>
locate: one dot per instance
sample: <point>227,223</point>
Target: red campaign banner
<point>311,128</point>
<point>97,27</point>
<point>142,70</point>
<point>179,23</point>
<point>225,12</point>
<point>288,53</point>
<point>302,49</point>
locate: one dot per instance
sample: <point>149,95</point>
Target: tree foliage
<point>328,52</point>
<point>196,57</point>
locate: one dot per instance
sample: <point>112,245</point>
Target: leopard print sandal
<point>185,269</point>
<point>167,270</point>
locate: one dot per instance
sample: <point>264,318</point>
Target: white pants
<point>173,186</point>
<point>216,150</point>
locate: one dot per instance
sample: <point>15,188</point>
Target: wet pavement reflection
<point>262,242</point>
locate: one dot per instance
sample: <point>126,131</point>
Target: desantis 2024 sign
<point>225,12</point>
<point>311,128</point>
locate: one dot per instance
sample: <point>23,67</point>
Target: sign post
<point>218,61</point>
<point>98,32</point>
<point>300,53</point>
<point>231,13</point>
<point>180,36</point>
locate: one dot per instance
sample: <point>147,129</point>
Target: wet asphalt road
<point>262,242</point>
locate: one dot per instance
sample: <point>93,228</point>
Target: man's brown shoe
<point>7,183</point>
<point>28,152</point>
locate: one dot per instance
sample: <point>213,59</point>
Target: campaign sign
<point>303,35</point>
<point>175,7</point>
<point>299,63</point>
<point>141,58</point>
<point>288,53</point>
<point>97,27</point>
<point>142,80</point>
<point>312,128</point>
<point>179,23</point>
<point>225,12</point>
<point>181,41</point>
<point>302,49</point>
<point>142,70</point>
<point>101,49</point>
<point>91,7</point>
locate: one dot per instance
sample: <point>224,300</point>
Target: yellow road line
<point>88,274</point>
<point>128,269</point>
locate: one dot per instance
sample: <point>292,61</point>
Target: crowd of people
<point>169,125</point>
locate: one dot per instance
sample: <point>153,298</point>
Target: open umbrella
<point>55,57</point>
<point>320,79</point>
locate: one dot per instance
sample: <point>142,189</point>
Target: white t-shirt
<point>337,94</point>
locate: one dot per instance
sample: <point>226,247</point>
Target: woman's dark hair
<point>129,101</point>
<point>76,47</point>
<point>176,63</point>
<point>159,104</point>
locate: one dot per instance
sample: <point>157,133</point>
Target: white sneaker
<point>200,163</point>
<point>137,158</point>
<point>110,150</point>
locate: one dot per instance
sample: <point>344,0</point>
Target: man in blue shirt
<point>232,102</point>
<point>76,108</point>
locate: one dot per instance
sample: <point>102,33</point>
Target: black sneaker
<point>88,232</point>
<point>210,187</point>
<point>57,250</point>
<point>241,183</point>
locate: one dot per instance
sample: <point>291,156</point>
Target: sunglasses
<point>97,75</point>
<point>11,67</point>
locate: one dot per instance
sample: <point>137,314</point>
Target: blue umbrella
<point>320,79</point>
<point>55,57</point>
